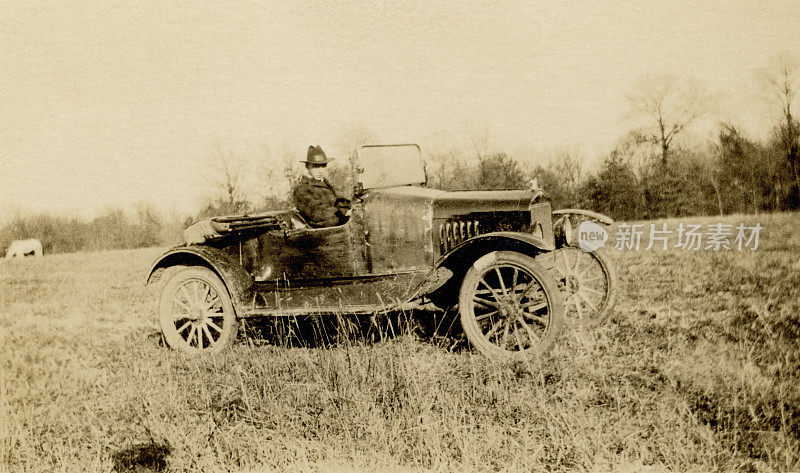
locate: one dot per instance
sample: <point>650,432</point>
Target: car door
<point>325,270</point>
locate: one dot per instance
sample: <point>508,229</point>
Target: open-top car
<point>490,253</point>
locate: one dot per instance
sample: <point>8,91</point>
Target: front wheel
<point>588,279</point>
<point>196,313</point>
<point>510,305</point>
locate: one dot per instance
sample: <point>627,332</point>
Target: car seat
<point>297,221</point>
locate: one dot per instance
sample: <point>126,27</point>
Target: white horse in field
<point>20,248</point>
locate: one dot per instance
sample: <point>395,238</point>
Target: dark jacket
<point>319,203</point>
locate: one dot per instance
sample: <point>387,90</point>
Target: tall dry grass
<point>696,370</point>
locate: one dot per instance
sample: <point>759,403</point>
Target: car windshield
<point>391,165</point>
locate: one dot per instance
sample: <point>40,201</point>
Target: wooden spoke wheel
<point>588,279</point>
<point>196,313</point>
<point>510,305</point>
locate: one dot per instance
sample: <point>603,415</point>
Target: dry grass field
<point>697,369</point>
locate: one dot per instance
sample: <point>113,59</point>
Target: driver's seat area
<point>296,220</point>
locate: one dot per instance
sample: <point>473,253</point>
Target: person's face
<point>317,171</point>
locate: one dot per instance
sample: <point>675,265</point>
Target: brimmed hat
<point>316,156</point>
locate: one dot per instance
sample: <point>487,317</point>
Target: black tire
<point>588,279</point>
<point>507,296</point>
<point>196,313</point>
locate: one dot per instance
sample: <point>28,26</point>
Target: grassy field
<point>697,369</point>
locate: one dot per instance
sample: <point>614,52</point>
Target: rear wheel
<point>510,305</point>
<point>588,279</point>
<point>196,313</point>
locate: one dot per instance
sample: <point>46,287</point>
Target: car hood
<point>444,204</point>
<point>460,202</point>
<point>448,202</point>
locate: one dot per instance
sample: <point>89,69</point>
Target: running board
<point>330,311</point>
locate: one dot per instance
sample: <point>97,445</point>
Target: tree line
<point>650,172</point>
<point>113,229</point>
<point>733,174</point>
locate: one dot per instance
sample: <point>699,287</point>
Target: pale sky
<point>116,103</point>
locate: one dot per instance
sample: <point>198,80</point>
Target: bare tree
<point>226,175</point>
<point>351,139</point>
<point>290,166</point>
<point>268,168</point>
<point>570,166</point>
<point>560,172</point>
<point>447,171</point>
<point>633,149</point>
<point>667,105</point>
<point>711,170</point>
<point>496,169</point>
<point>741,163</point>
<point>479,136</point>
<point>278,172</point>
<point>779,81</point>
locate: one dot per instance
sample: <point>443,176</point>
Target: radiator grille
<point>456,229</point>
<point>453,232</point>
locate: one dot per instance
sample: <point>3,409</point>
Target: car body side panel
<point>334,295</point>
<point>382,291</point>
<point>309,253</point>
<point>399,220</point>
<point>398,225</point>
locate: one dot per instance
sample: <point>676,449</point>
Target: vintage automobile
<point>489,253</point>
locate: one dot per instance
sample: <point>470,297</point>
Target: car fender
<point>458,260</point>
<point>588,214</point>
<point>237,281</point>
<point>563,229</point>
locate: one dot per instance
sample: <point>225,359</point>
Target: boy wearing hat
<point>315,197</point>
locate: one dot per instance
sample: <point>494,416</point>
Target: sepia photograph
<point>308,236</point>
